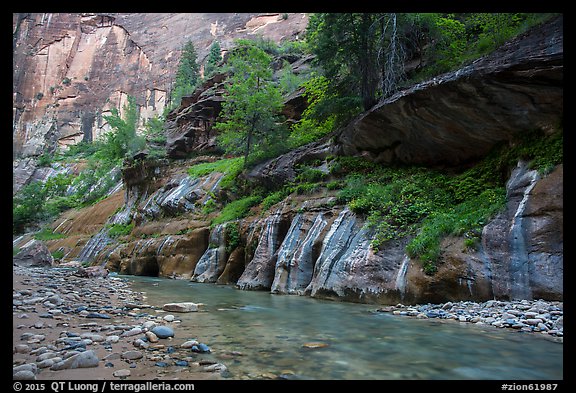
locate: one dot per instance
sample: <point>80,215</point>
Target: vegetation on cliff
<point>187,75</point>
<point>248,118</point>
<point>42,201</point>
<point>369,56</point>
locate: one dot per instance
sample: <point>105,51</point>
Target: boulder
<point>92,272</point>
<point>34,254</point>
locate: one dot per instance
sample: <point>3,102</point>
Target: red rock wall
<point>70,69</point>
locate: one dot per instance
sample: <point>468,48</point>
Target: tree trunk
<point>249,139</point>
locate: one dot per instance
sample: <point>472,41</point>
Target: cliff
<point>70,69</point>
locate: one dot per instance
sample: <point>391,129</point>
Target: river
<point>260,335</point>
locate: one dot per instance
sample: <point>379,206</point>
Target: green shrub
<point>58,254</point>
<point>315,122</point>
<point>117,230</point>
<point>28,206</point>
<point>230,167</point>
<point>471,243</point>
<point>82,149</point>
<point>44,160</point>
<point>469,216</point>
<point>46,233</point>
<point>335,185</point>
<point>310,175</point>
<point>233,238</point>
<point>273,199</point>
<point>236,209</point>
<point>209,206</point>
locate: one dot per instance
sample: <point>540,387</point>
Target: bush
<point>273,199</point>
<point>117,230</point>
<point>230,167</point>
<point>46,233</point>
<point>28,206</point>
<point>233,238</point>
<point>468,216</point>
<point>308,174</point>
<point>236,209</point>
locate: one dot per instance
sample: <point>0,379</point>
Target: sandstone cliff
<point>70,69</point>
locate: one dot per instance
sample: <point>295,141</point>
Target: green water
<point>270,330</point>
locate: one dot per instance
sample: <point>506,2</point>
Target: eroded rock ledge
<point>459,116</point>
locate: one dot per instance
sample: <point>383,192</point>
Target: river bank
<point>530,316</point>
<point>67,327</point>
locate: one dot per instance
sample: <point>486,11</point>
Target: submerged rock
<point>315,345</point>
<point>181,307</point>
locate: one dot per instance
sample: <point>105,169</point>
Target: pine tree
<point>213,60</point>
<point>251,104</point>
<point>187,75</point>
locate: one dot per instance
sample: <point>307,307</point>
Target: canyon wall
<point>71,69</point>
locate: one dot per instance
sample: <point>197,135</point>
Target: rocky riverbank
<point>69,327</point>
<point>536,316</point>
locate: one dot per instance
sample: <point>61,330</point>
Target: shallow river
<point>270,332</point>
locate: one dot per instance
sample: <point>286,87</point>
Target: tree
<point>360,53</point>
<point>122,139</point>
<point>214,58</point>
<point>187,75</point>
<point>28,205</point>
<point>252,101</point>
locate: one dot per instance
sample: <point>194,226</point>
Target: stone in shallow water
<point>201,348</point>
<point>98,315</point>
<point>181,307</point>
<point>122,373</point>
<point>163,331</point>
<point>189,344</point>
<point>218,367</point>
